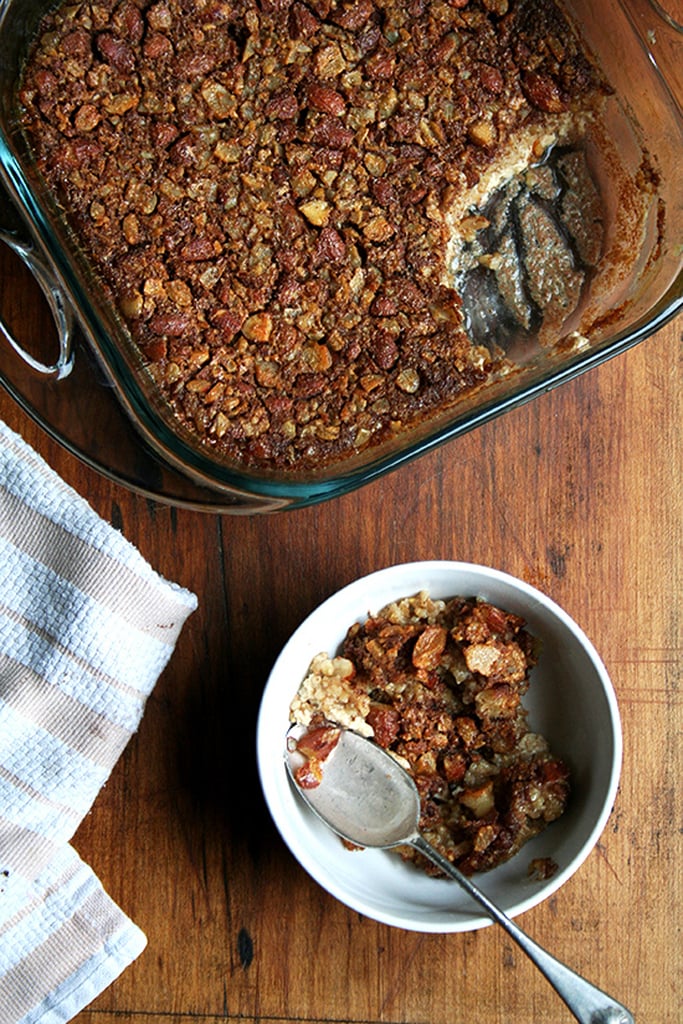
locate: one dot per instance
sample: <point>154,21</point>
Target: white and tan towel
<point>86,627</point>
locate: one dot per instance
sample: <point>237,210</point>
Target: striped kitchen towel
<point>86,627</point>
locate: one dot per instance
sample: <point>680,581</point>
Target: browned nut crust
<point>439,685</point>
<point>263,189</point>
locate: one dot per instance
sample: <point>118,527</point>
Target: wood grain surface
<point>579,493</point>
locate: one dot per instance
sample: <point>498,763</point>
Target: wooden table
<point>581,494</point>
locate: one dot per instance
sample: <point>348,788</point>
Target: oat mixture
<point>270,192</point>
<point>439,684</point>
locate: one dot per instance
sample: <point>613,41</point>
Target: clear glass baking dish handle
<point>60,308</point>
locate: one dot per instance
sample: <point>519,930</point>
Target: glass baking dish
<point>92,396</point>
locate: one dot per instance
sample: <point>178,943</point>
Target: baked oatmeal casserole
<point>277,196</point>
<point>439,684</point>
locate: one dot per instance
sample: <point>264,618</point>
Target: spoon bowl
<point>368,799</point>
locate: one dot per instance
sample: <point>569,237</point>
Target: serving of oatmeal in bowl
<point>493,700</point>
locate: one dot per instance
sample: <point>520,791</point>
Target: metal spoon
<point>366,797</point>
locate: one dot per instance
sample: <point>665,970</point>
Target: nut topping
<point>268,193</point>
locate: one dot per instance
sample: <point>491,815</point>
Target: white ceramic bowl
<point>571,702</point>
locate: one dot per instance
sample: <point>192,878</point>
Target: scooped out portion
<point>523,264</point>
<point>439,684</point>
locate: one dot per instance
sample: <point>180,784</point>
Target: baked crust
<point>271,193</point>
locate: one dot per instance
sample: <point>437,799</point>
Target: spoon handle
<point>588,1004</point>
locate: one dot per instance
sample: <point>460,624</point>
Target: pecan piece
<point>173,325</point>
<point>157,45</point>
<point>385,350</point>
<point>116,52</point>
<point>198,249</point>
<point>282,106</point>
<point>325,99</point>
<point>491,78</point>
<point>385,722</point>
<point>543,92</point>
<point>331,246</point>
<point>328,131</point>
<point>302,22</point>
